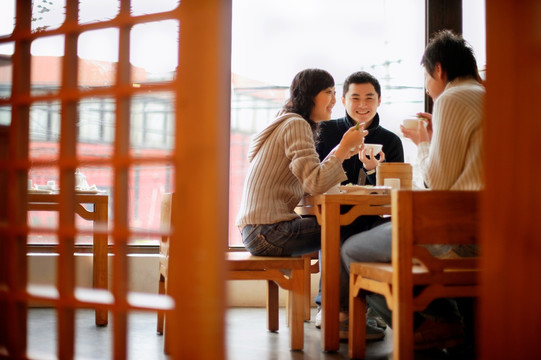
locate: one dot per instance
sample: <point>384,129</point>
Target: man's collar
<point>374,124</point>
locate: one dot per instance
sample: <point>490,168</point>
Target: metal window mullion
<point>121,165</point>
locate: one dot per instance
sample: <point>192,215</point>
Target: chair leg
<point>161,314</point>
<point>357,321</point>
<point>296,309</point>
<point>402,328</point>
<point>166,337</point>
<point>307,286</point>
<point>272,306</point>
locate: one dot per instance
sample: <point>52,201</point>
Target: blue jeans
<point>375,246</point>
<point>287,238</point>
<point>358,227</point>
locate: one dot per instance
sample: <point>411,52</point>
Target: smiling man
<point>361,98</point>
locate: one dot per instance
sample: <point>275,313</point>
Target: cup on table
<point>393,170</point>
<point>394,183</point>
<point>51,184</point>
<point>29,184</point>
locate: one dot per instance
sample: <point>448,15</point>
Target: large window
<point>153,58</point>
<point>474,30</point>
<point>273,40</point>
<point>114,116</point>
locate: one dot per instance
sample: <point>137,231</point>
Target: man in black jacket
<point>361,98</point>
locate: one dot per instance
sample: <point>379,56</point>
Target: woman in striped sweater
<point>284,165</point>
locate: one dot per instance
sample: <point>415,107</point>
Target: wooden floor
<point>247,338</point>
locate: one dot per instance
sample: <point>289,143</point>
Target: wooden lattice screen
<point>200,91</point>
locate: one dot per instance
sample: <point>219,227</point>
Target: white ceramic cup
<point>412,123</point>
<point>51,184</point>
<point>29,184</point>
<point>394,183</point>
<point>375,147</point>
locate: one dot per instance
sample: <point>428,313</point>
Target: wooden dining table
<point>98,214</point>
<point>327,207</point>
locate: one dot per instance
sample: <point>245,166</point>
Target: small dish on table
<point>365,189</point>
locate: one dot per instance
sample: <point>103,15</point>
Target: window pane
<point>97,10</point>
<point>96,127</point>
<point>6,51</point>
<point>270,45</point>
<point>98,53</point>
<point>154,51</point>
<point>45,72</point>
<point>7,17</point>
<point>142,7</point>
<point>43,223</point>
<point>48,14</point>
<point>44,131</point>
<point>100,178</point>
<point>152,124</point>
<point>147,184</point>
<point>5,115</point>
<point>474,30</point>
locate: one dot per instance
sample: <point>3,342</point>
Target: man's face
<point>435,83</point>
<point>361,102</point>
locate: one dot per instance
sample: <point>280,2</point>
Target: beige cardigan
<point>453,159</point>
<point>284,165</point>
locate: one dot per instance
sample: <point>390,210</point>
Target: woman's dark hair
<point>304,88</point>
<point>453,53</point>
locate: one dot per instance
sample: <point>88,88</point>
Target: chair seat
<point>246,261</point>
<point>383,272</point>
<point>289,273</point>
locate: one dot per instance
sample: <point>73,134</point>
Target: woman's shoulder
<point>293,120</point>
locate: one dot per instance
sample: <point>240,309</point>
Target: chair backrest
<point>165,225</point>
<point>425,218</point>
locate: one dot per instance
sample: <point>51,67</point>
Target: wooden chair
<point>419,218</point>
<point>289,273</point>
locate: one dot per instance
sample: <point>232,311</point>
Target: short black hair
<point>454,54</point>
<point>361,77</point>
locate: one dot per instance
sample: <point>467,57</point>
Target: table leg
<point>330,275</point>
<point>100,260</point>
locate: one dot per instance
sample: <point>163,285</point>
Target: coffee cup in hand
<point>413,123</point>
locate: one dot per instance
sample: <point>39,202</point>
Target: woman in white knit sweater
<point>284,165</point>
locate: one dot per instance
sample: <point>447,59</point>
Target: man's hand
<point>351,141</point>
<point>370,163</point>
<point>423,133</point>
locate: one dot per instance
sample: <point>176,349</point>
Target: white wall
<point>143,277</point>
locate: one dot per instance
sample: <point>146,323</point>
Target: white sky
<point>272,40</point>
<point>275,39</point>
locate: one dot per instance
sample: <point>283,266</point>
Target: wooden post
<point>201,159</point>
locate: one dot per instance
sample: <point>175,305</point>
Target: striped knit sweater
<point>453,159</point>
<point>284,165</point>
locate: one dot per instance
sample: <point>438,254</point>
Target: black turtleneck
<point>331,132</point>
